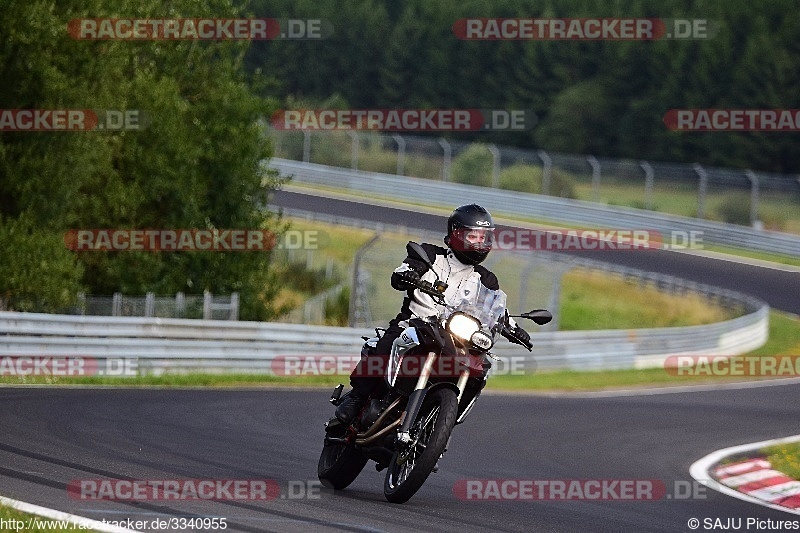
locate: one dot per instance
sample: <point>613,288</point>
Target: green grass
<point>7,513</point>
<point>785,458</point>
<point>574,380</point>
<point>784,335</point>
<point>340,243</point>
<point>594,300</point>
<point>678,200</point>
<point>337,244</point>
<point>784,339</point>
<point>753,254</point>
<point>779,212</point>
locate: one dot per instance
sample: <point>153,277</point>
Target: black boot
<point>350,407</point>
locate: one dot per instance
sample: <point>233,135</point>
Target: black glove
<point>409,277</point>
<point>518,334</point>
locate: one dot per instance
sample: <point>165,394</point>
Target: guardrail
<point>535,206</point>
<point>181,345</point>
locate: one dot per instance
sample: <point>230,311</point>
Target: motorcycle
<point>434,375</point>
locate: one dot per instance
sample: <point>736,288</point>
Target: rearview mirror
<point>540,316</point>
<point>420,251</point>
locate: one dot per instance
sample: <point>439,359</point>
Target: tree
<point>198,164</point>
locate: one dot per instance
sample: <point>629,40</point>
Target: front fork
<point>416,398</point>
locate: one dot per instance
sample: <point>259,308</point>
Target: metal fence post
<point>116,304</point>
<point>547,169</point>
<point>149,304</point>
<point>354,150</point>
<point>81,302</point>
<point>753,177</point>
<point>355,291</point>
<point>495,165</point>
<point>180,305</point>
<point>446,157</point>
<point>401,153</point>
<point>524,276</point>
<point>701,191</point>
<point>592,160</point>
<point>306,146</point>
<point>206,305</point>
<point>234,306</point>
<point>554,305</point>
<point>648,184</point>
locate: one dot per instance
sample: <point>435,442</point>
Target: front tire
<point>410,467</point>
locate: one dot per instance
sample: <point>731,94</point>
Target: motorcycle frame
<point>404,343</point>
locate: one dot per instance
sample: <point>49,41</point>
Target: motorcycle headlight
<point>481,340</point>
<point>463,326</point>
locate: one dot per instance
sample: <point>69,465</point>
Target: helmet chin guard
<point>470,232</point>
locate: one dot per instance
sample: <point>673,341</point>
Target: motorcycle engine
<point>372,413</point>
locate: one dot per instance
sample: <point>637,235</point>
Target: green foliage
<point>332,148</point>
<point>196,165</point>
<point>38,272</point>
<point>473,166</point>
<point>785,458</point>
<point>608,98</point>
<point>576,114</point>
<point>528,178</point>
<point>374,158</point>
<point>523,178</point>
<point>735,208</point>
<point>337,310</point>
<point>308,280</point>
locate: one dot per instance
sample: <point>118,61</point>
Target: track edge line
<point>700,471</point>
<point>54,514</point>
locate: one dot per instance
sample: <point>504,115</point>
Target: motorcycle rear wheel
<point>339,465</point>
<point>410,467</point>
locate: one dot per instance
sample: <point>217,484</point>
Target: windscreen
<point>474,299</point>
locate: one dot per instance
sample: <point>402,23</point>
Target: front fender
<point>415,403</point>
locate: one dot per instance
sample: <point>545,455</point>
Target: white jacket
<point>449,270</point>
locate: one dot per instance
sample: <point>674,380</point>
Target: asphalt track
<point>51,437</point>
<point>779,288</point>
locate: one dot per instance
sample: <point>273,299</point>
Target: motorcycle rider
<point>470,232</point>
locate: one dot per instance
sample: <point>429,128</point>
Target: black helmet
<point>461,222</point>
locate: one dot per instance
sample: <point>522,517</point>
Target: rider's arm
<point>399,274</point>
<point>411,262</point>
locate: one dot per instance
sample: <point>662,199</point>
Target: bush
<point>39,273</point>
<point>376,159</point>
<point>735,208</point>
<point>420,166</point>
<point>337,310</point>
<point>334,148</point>
<point>473,166</point>
<point>528,178</point>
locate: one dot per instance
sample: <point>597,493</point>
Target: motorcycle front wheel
<point>412,464</point>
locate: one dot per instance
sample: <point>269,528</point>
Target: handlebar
<point>528,345</point>
<point>431,290</point>
<point>508,334</point>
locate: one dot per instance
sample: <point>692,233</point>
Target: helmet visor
<point>474,238</point>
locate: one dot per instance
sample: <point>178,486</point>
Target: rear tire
<point>339,465</point>
<point>407,472</point>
